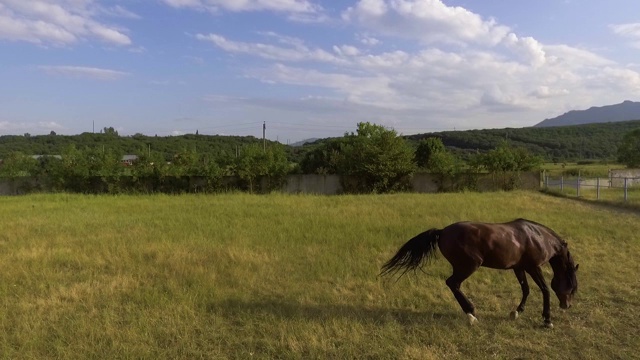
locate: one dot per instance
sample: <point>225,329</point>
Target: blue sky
<point>309,68</point>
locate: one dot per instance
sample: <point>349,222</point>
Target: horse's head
<point>565,282</point>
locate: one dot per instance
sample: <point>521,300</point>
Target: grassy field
<point>612,196</point>
<point>281,276</point>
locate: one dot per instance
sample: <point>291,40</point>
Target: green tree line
<point>557,144</point>
<point>371,159</point>
<point>98,170</point>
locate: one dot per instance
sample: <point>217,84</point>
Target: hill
<point>561,143</point>
<point>217,145</point>
<point>627,110</point>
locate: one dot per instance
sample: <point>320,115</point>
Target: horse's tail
<point>412,255</point>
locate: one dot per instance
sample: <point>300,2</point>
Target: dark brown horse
<point>521,245</point>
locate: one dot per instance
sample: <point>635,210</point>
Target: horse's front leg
<point>538,278</point>
<point>522,279</point>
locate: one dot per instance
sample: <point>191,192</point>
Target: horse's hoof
<point>472,319</point>
<point>548,325</point>
<point>514,314</point>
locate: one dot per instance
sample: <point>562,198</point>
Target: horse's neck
<point>557,262</point>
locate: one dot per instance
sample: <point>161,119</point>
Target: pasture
<point>237,276</point>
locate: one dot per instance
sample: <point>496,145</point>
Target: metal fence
<point>612,188</point>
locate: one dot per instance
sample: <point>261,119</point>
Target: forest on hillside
<point>562,143</point>
<point>52,144</point>
<point>557,144</point>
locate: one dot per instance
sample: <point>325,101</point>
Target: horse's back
<point>493,245</point>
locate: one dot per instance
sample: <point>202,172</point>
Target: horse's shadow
<point>289,310</point>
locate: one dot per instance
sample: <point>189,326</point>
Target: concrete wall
<point>331,184</point>
<point>313,184</point>
<point>618,175</point>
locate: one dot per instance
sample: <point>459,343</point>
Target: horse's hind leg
<point>454,282</point>
<point>522,279</point>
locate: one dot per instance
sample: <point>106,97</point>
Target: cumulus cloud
<point>521,75</point>
<point>83,72</point>
<point>429,21</point>
<point>59,22</point>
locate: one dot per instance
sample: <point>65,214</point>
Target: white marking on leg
<point>472,319</point>
<point>514,314</point>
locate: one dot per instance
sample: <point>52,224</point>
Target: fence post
<point>561,183</point>
<point>597,188</point>
<point>625,189</point>
<point>578,186</point>
<point>610,179</point>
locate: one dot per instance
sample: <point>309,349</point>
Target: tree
<point>505,158</point>
<point>255,163</point>
<point>426,149</point>
<point>17,165</point>
<point>629,149</point>
<point>376,159</point>
<point>505,162</point>
<point>325,158</point>
<point>110,131</point>
<point>433,156</point>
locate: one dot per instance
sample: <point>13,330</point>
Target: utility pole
<point>264,130</point>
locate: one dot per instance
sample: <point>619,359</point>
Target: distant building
<point>38,157</point>
<point>129,159</point>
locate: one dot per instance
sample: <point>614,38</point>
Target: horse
<point>521,245</point>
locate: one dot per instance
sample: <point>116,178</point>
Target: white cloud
<point>629,31</point>
<point>119,11</point>
<point>296,51</point>
<point>429,21</point>
<point>346,50</point>
<point>544,91</point>
<point>14,127</point>
<point>284,6</point>
<point>83,72</point>
<point>446,84</point>
<point>367,39</point>
<point>527,48</point>
<point>58,22</point>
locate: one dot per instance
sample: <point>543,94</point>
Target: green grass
<point>281,276</point>
<point>606,196</point>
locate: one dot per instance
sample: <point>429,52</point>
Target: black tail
<point>412,254</point>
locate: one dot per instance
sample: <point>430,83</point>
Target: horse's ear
<point>576,268</point>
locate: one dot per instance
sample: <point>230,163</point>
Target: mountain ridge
<point>624,111</point>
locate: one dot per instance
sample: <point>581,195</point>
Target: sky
<point>309,68</point>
